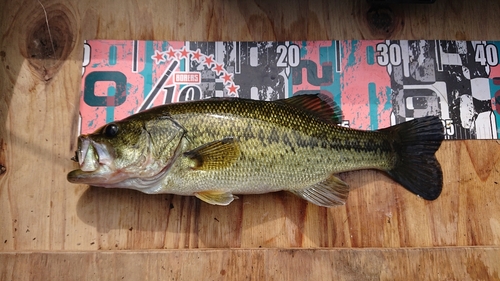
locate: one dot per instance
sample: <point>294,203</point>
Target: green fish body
<point>219,147</point>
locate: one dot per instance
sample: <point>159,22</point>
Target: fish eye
<point>111,130</point>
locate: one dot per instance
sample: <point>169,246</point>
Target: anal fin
<point>328,193</point>
<point>216,197</point>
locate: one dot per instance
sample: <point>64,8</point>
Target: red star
<point>227,77</point>
<point>233,88</point>
<point>184,53</point>
<point>209,60</point>
<point>197,55</point>
<point>158,57</point>
<point>171,53</point>
<point>218,69</point>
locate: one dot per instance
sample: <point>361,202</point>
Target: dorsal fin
<point>319,105</point>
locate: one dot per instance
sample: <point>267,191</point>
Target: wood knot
<point>49,39</point>
<point>382,21</point>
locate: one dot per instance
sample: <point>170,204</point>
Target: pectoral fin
<point>330,192</point>
<point>214,155</point>
<point>216,197</point>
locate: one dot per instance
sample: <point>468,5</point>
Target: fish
<point>218,148</point>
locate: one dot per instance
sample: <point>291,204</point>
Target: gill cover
<point>165,135</point>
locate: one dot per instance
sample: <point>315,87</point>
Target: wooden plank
<point>41,211</point>
<point>458,263</point>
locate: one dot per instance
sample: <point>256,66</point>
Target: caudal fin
<point>417,168</point>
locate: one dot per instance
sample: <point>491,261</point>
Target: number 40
<point>486,54</point>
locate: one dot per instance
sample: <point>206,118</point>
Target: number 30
<point>388,54</point>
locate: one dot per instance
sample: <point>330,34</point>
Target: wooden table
<point>52,229</point>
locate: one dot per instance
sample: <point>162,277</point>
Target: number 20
<point>288,56</point>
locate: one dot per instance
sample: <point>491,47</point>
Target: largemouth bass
<point>219,147</point>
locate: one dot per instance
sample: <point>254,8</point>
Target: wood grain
<point>41,211</point>
<point>458,263</point>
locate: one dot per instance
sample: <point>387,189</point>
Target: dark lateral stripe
<point>364,145</point>
<point>305,130</point>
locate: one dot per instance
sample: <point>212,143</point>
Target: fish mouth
<point>91,155</point>
<point>95,161</point>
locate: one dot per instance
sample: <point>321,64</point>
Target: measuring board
<point>377,83</point>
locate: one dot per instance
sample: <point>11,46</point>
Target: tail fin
<point>417,168</point>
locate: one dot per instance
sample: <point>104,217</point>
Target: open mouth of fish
<point>96,163</point>
<point>92,155</point>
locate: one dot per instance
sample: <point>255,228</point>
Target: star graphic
<point>209,60</point>
<point>158,57</point>
<point>171,53</point>
<point>233,88</point>
<point>197,55</point>
<point>184,53</point>
<point>218,69</point>
<point>227,77</point>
